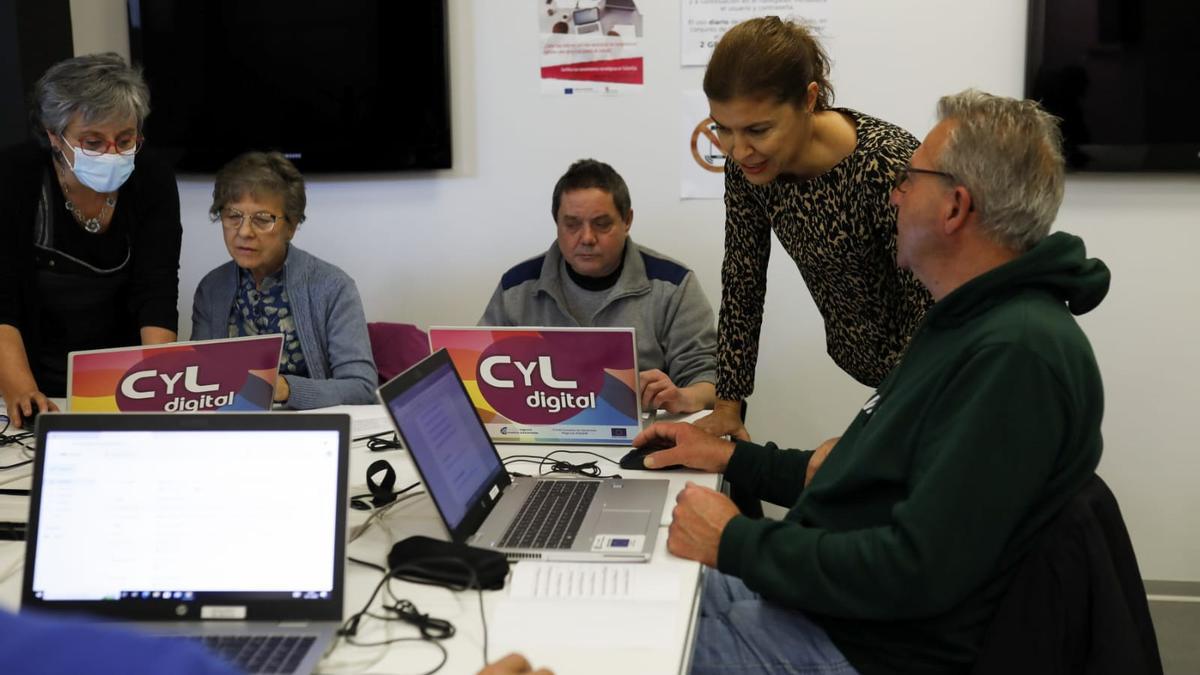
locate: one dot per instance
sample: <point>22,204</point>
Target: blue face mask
<point>102,173</point>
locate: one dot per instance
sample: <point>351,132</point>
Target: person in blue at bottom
<point>39,645</point>
<point>34,645</point>
<point>271,286</point>
<point>904,535</point>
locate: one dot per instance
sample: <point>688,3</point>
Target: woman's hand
<point>283,391</point>
<point>725,420</point>
<point>21,406</point>
<point>17,386</point>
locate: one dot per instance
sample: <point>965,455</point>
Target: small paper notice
<point>588,605</point>
<point>619,581</point>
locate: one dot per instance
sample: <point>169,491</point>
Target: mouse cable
<point>432,630</point>
<point>586,469</point>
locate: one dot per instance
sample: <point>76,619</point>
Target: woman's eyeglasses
<point>94,146</point>
<point>262,221</point>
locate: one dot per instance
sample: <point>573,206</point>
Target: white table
<point>578,648</point>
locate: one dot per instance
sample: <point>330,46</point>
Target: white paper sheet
<point>587,605</point>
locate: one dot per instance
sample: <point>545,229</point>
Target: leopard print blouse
<point>841,231</point>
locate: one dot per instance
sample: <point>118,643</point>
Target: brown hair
<point>768,57</point>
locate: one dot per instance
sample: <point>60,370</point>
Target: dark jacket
<point>909,534</point>
<point>1077,605</point>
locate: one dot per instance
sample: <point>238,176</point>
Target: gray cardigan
<point>329,321</point>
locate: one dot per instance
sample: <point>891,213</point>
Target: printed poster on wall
<point>703,22</point>
<point>590,46</point>
<point>548,385</point>
<point>702,169</point>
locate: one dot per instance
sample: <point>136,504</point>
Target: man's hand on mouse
<point>684,444</point>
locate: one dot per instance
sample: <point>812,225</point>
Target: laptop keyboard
<point>256,653</point>
<point>551,515</point>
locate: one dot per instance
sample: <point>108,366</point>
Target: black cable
<point>380,568</point>
<point>587,469</point>
<point>378,443</point>
<point>357,503</point>
<point>349,627</point>
<point>377,434</point>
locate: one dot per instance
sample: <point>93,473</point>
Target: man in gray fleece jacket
<point>594,275</point>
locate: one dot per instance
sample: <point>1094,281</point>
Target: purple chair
<point>396,347</point>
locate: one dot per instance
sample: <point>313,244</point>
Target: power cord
<point>17,439</point>
<point>386,440</point>
<point>587,469</point>
<point>432,629</point>
<point>359,503</point>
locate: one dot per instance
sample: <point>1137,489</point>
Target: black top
<point>124,279</point>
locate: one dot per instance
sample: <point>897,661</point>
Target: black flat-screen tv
<point>1124,76</point>
<point>349,86</point>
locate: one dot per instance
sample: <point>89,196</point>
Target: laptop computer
<point>525,518</point>
<point>185,525</point>
<point>586,20</point>
<point>548,384</point>
<point>228,374</point>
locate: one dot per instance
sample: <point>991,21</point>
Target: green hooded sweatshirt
<point>912,529</point>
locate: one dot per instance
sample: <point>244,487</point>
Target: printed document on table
<point>588,605</point>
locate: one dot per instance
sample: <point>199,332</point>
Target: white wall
<point>429,248</point>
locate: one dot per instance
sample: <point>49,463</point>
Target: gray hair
<point>260,173</point>
<point>1008,153</point>
<point>96,87</point>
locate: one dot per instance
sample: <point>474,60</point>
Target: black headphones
<point>382,492</point>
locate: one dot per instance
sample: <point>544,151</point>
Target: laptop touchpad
<point>622,522</point>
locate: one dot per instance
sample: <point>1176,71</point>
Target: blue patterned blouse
<point>266,311</point>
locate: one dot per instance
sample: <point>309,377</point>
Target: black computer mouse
<point>27,421</point>
<point>634,459</point>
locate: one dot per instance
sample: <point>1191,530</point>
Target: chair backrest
<point>1077,603</point>
<point>396,346</point>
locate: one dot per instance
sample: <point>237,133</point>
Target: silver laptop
<point>525,518</point>
<point>206,525</point>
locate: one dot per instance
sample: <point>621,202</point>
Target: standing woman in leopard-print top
<point>820,178</point>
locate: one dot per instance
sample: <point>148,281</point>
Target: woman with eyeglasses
<point>272,287</point>
<point>820,178</point>
<point>89,240</point>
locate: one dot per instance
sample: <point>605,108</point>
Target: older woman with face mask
<point>89,242</point>
<point>271,286</point>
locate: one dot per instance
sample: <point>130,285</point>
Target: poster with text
<point>703,22</point>
<point>590,46</point>
<point>227,374</point>
<point>702,173</point>
<point>548,385</point>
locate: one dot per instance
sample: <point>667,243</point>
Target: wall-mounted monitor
<point>352,86</point>
<point>1124,76</point>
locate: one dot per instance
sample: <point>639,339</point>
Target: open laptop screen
<point>191,514</point>
<point>456,458</point>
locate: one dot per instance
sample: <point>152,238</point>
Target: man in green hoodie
<point>895,554</point>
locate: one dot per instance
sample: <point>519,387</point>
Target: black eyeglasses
<point>904,174</point>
